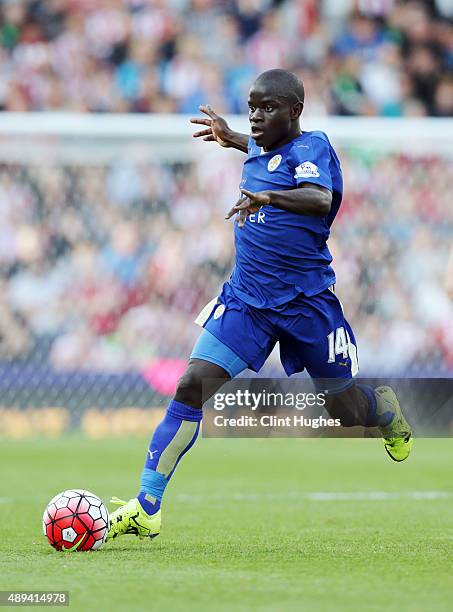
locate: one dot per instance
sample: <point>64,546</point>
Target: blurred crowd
<point>356,57</point>
<point>105,267</point>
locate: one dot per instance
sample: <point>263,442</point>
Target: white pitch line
<point>380,495</point>
<point>321,496</point>
<point>316,496</point>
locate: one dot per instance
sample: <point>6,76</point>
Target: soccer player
<point>281,289</point>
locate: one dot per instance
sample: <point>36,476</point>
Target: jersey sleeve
<point>311,163</point>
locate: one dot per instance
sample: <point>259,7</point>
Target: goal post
<point>106,134</point>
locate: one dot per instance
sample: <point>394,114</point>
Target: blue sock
<point>373,419</point>
<point>173,437</point>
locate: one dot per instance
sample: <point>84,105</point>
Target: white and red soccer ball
<point>76,520</point>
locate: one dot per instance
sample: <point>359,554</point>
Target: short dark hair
<point>283,84</point>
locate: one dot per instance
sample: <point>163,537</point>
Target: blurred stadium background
<point>112,234</point>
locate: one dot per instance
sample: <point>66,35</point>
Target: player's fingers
<point>247,193</point>
<point>208,110</point>
<point>242,204</point>
<point>200,120</point>
<point>202,133</point>
<point>257,199</point>
<point>209,138</point>
<point>230,213</point>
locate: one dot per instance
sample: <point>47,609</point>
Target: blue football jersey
<point>280,254</point>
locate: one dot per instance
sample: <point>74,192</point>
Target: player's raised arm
<point>219,131</point>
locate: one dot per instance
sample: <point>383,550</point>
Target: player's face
<point>270,117</point>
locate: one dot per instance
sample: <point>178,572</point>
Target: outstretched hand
<point>247,205</point>
<point>218,129</point>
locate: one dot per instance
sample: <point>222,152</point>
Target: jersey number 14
<point>338,344</point>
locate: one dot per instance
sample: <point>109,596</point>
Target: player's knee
<point>199,382</point>
<point>350,406</point>
<point>189,389</point>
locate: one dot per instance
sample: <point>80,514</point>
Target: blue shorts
<point>313,333</point>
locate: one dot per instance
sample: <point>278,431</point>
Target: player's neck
<point>284,141</point>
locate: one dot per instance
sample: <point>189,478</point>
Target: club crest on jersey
<point>306,170</point>
<point>219,311</point>
<point>274,163</point>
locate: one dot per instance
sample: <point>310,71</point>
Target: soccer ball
<point>75,520</point>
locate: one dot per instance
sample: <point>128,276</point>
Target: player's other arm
<point>307,199</point>
<point>219,131</point>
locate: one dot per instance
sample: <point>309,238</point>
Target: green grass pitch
<point>242,529</point>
